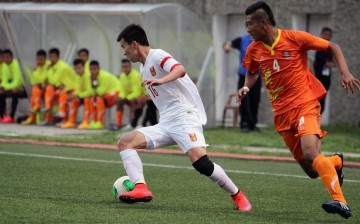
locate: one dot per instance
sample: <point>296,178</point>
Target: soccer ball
<point>122,185</point>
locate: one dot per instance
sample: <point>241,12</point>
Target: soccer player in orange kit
<point>294,94</point>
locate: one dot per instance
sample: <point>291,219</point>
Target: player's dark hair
<point>8,51</point>
<point>41,52</point>
<point>132,33</point>
<point>1,51</point>
<point>326,29</point>
<point>54,51</point>
<point>96,63</point>
<point>261,5</point>
<point>84,50</point>
<point>78,61</point>
<point>123,61</point>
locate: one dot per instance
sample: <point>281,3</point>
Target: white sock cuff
<point>127,153</point>
<point>217,170</point>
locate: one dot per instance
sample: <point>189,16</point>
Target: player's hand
<point>227,47</point>
<point>152,82</point>
<point>348,81</point>
<point>242,93</point>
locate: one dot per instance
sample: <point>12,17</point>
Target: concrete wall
<point>344,20</point>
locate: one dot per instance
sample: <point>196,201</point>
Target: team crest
<point>286,54</point>
<point>193,137</point>
<point>301,123</point>
<point>152,71</point>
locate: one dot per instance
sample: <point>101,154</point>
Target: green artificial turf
<point>43,184</point>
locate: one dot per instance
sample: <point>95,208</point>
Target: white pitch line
<point>154,165</point>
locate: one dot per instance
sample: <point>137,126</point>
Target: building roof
<point>98,8</point>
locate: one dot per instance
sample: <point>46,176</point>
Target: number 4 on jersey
<point>276,66</point>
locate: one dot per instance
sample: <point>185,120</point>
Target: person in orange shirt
<point>294,95</point>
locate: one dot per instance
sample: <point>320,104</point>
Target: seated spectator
<point>37,78</point>
<point>131,94</point>
<point>82,95</point>
<point>4,69</point>
<point>107,88</point>
<point>11,86</point>
<point>60,82</point>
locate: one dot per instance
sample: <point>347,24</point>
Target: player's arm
<point>250,80</point>
<point>348,81</point>
<point>177,72</point>
<point>232,44</point>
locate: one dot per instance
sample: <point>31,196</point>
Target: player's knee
<point>309,157</point>
<point>123,142</point>
<point>204,166</point>
<point>312,174</point>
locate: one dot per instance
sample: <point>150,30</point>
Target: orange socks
<point>73,110</point>
<point>336,161</point>
<point>87,109</point>
<point>35,99</point>
<point>327,173</point>
<point>100,109</point>
<point>119,115</point>
<point>63,101</point>
<point>49,96</point>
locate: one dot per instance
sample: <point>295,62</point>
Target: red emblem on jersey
<point>152,71</point>
<point>193,137</point>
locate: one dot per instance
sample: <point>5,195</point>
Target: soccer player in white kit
<point>182,115</point>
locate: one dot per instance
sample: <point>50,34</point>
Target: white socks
<point>133,165</point>
<point>220,178</point>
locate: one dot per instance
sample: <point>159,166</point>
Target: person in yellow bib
<point>131,94</point>
<point>4,72</point>
<point>37,78</point>
<point>60,82</point>
<point>107,88</point>
<point>11,86</point>
<point>82,95</point>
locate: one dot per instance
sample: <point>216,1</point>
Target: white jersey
<point>175,98</point>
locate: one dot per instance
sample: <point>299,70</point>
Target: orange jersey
<point>284,68</point>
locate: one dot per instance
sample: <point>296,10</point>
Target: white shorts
<point>185,131</point>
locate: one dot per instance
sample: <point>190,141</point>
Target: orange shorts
<point>303,120</point>
<point>110,99</point>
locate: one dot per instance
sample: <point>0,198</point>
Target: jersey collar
<point>271,48</point>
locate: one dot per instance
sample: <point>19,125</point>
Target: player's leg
<point>119,111</point>
<point>2,104</point>
<point>255,96</point>
<point>149,138</point>
<point>205,166</point>
<point>87,112</point>
<point>100,112</point>
<point>328,175</point>
<point>310,138</point>
<point>75,103</point>
<point>63,104</point>
<point>92,107</point>
<point>34,105</point>
<point>151,113</point>
<point>127,146</point>
<point>187,132</point>
<point>49,102</point>
<point>138,105</point>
